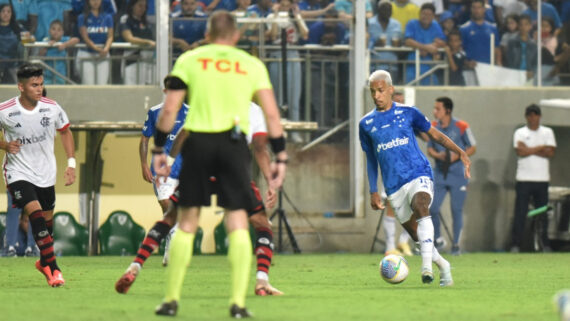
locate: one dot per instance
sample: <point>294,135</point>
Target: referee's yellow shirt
<point>221,83</point>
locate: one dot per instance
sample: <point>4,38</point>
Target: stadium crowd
<point>458,31</point>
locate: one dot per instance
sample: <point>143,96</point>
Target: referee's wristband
<point>71,162</point>
<point>160,138</point>
<point>277,144</point>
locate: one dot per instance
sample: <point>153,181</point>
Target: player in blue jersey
<point>163,190</point>
<point>387,138</point>
<point>448,173</point>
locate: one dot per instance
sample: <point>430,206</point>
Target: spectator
<point>548,10</point>
<point>311,10</point>
<point>26,13</point>
<point>426,35</point>
<point>345,8</point>
<point>384,31</point>
<point>77,8</point>
<point>295,29</point>
<point>328,32</point>
<point>404,11</point>
<point>511,30</point>
<point>456,59</point>
<point>438,4</point>
<point>476,37</point>
<point>522,51</point>
<point>50,10</point>
<point>11,47</point>
<point>96,30</point>
<point>138,64</point>
<point>447,23</point>
<point>248,31</point>
<point>549,45</point>
<point>535,145</point>
<point>324,72</point>
<point>57,52</point>
<point>211,5</point>
<point>505,8</point>
<point>459,10</point>
<point>188,34</point>
<point>562,58</point>
<point>448,170</point>
<point>261,9</point>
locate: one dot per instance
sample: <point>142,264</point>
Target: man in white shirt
<point>29,123</point>
<point>534,145</point>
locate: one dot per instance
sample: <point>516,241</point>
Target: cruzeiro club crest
<point>45,121</point>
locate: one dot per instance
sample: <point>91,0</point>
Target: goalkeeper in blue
<point>387,138</point>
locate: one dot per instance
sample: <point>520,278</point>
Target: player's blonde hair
<point>380,75</point>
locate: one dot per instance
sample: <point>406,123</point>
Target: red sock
<point>43,240</point>
<point>264,249</point>
<point>49,226</point>
<point>152,241</point>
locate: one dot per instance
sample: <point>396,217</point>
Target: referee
<point>220,81</point>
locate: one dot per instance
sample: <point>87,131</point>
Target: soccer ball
<point>394,269</point>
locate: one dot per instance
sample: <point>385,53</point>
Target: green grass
<point>317,287</point>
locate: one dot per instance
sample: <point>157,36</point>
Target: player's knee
<point>259,220</point>
<point>164,205</point>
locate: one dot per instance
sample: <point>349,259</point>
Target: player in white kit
<point>29,123</point>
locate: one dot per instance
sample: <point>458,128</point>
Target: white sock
<point>260,275</point>
<point>439,260</point>
<point>404,237</point>
<point>390,231</point>
<point>425,237</point>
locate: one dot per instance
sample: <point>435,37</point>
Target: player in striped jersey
<point>29,123</point>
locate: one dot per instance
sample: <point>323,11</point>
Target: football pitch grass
<point>488,286</point>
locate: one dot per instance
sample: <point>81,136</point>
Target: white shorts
<point>166,188</point>
<point>401,200</point>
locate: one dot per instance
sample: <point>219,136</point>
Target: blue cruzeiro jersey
<point>387,138</point>
<point>149,128</point>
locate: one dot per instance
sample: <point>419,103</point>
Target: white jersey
<point>533,168</point>
<point>256,122</point>
<point>35,130</point>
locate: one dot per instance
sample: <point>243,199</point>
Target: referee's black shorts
<point>259,206</point>
<point>207,155</point>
